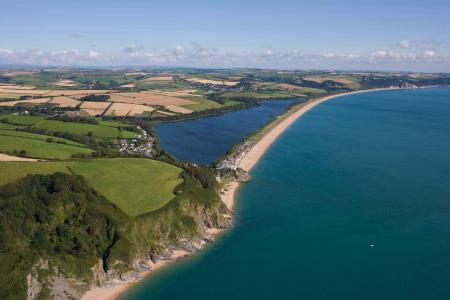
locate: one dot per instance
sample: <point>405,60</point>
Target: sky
<point>392,35</point>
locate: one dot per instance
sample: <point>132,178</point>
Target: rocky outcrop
<point>54,284</point>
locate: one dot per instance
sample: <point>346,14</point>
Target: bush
<point>95,98</point>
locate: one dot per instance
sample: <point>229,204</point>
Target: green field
<point>256,95</point>
<point>135,185</point>
<point>38,148</point>
<point>6,126</point>
<point>35,136</point>
<point>202,104</point>
<point>83,129</point>
<point>308,90</point>
<point>110,123</point>
<point>105,129</point>
<point>23,120</point>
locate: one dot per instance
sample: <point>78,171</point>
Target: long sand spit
<point>261,146</point>
<point>229,192</point>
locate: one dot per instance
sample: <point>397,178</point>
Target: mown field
<point>83,129</point>
<point>135,185</point>
<point>103,130</point>
<point>30,146</point>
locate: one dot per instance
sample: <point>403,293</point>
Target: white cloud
<point>178,50</point>
<point>404,44</point>
<point>197,55</point>
<point>379,54</point>
<point>428,54</point>
<point>5,51</point>
<point>93,54</point>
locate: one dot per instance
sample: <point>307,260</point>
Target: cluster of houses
<point>142,144</point>
<point>233,161</point>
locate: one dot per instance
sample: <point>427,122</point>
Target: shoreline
<point>228,193</point>
<point>251,158</point>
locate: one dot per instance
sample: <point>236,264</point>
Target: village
<point>141,145</point>
<point>233,160</point>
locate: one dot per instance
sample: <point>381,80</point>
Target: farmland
<point>84,129</point>
<point>103,131</point>
<point>135,185</point>
<point>48,125</point>
<point>39,149</point>
<point>125,109</point>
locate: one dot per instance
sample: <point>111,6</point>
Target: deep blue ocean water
<point>351,202</point>
<point>206,139</point>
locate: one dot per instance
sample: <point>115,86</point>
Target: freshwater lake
<point>351,202</point>
<point>204,140</point>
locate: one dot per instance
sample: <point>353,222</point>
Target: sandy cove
<point>227,194</point>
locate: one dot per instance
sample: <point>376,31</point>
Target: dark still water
<point>205,140</point>
<point>352,202</point>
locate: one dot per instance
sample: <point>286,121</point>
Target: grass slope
<point>135,185</point>
<point>201,104</point>
<point>39,148</point>
<point>36,136</point>
<point>104,129</point>
<point>83,129</point>
<point>23,120</point>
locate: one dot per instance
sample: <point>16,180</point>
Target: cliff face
<point>183,224</point>
<point>59,237</point>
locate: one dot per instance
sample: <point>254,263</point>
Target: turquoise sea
<point>351,202</point>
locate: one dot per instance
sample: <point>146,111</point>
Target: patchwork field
<point>149,99</point>
<point>76,92</point>
<point>94,108</point>
<point>125,109</point>
<point>215,82</point>
<point>178,93</point>
<point>65,83</point>
<point>159,78</point>
<point>178,109</point>
<point>25,102</point>
<point>16,86</point>
<point>9,96</point>
<point>124,103</point>
<point>64,101</point>
<point>287,86</point>
<point>202,104</point>
<point>135,185</point>
<point>23,92</point>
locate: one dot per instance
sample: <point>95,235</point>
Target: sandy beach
<point>229,192</point>
<point>111,293</point>
<point>258,150</point>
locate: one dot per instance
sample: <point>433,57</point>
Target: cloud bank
<point>197,55</point>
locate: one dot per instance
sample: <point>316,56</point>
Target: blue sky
<point>378,35</point>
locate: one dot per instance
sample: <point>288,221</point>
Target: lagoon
<point>204,140</point>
